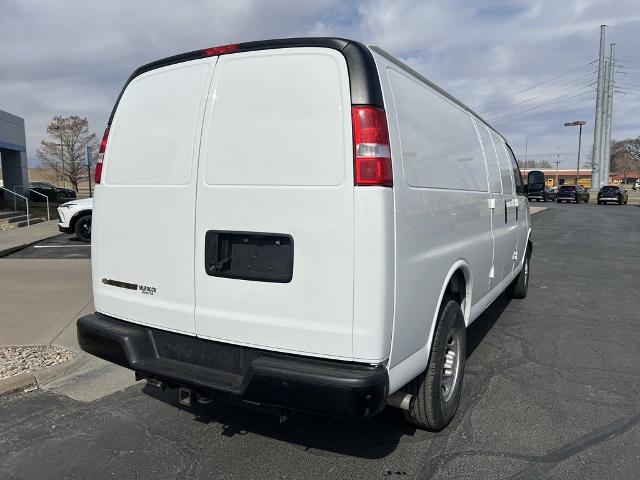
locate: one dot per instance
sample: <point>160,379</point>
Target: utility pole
<point>608,116</point>
<point>596,160</point>
<point>557,162</point>
<point>526,144</point>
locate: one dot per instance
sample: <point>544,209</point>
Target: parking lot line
<point>60,246</point>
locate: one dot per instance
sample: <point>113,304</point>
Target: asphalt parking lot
<point>551,391</point>
<point>63,246</point>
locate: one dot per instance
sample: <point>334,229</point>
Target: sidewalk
<point>40,300</point>
<point>17,238</point>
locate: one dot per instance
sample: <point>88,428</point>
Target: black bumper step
<point>329,387</point>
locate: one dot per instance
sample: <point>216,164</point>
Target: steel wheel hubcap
<point>451,366</point>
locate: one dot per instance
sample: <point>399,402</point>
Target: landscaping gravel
<point>28,358</point>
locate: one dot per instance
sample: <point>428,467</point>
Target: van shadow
<point>485,322</point>
<point>372,438</point>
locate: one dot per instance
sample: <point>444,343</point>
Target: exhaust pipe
<point>401,400</point>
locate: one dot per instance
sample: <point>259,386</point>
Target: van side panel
<point>144,209</point>
<point>277,157</point>
<point>442,213</point>
<point>374,273</point>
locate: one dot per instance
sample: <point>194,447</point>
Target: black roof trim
<point>363,74</point>
<point>422,78</point>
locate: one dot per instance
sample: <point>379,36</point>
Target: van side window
<point>517,176</point>
<point>490,157</point>
<point>505,164</point>
<point>440,147</point>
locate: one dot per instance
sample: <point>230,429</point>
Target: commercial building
<point>13,152</point>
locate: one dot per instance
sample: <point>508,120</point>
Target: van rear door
<point>144,207</point>
<point>274,216</point>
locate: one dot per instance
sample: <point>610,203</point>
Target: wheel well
<point>457,289</point>
<point>74,219</point>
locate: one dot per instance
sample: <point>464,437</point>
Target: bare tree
<point>65,150</point>
<point>539,163</point>
<point>625,156</point>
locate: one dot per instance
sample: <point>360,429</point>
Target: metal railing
<point>41,194</point>
<point>15,208</point>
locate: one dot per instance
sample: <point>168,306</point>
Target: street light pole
<point>578,123</point>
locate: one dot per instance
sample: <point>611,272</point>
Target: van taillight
<point>372,153</point>
<point>103,147</point>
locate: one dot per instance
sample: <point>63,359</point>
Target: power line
<point>547,112</point>
<point>627,61</point>
<point>559,88</point>
<point>555,100</point>
<point>560,75</point>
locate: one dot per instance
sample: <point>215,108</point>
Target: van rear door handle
<point>505,211</point>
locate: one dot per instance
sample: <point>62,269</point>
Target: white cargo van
<point>306,224</point>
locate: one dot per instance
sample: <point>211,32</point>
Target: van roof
<point>363,74</point>
<point>363,77</point>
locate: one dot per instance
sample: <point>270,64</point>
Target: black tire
<point>82,228</point>
<point>519,287</point>
<point>432,407</point>
<point>620,201</point>
<point>599,202</point>
<point>626,201</point>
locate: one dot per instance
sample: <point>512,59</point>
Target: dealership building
<point>13,152</point>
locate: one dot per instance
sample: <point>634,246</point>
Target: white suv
<point>75,217</point>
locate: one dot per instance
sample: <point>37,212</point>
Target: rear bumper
<point>300,383</point>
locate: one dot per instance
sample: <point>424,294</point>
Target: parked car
<point>341,224</point>
<point>572,193</point>
<point>613,193</point>
<point>53,192</point>
<point>75,217</point>
<point>541,193</point>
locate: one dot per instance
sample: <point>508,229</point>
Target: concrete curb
<point>22,381</point>
<point>27,380</point>
<point>534,210</point>
<point>10,250</point>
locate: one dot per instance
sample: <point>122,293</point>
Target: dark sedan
<point>53,192</point>
<point>613,193</point>
<point>572,193</point>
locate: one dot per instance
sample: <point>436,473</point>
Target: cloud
<point>67,57</point>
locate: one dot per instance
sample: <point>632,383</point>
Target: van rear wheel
<point>436,391</point>
<point>520,286</point>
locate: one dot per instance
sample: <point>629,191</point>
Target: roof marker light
<point>221,50</point>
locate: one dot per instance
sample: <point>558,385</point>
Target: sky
<point>525,66</point>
